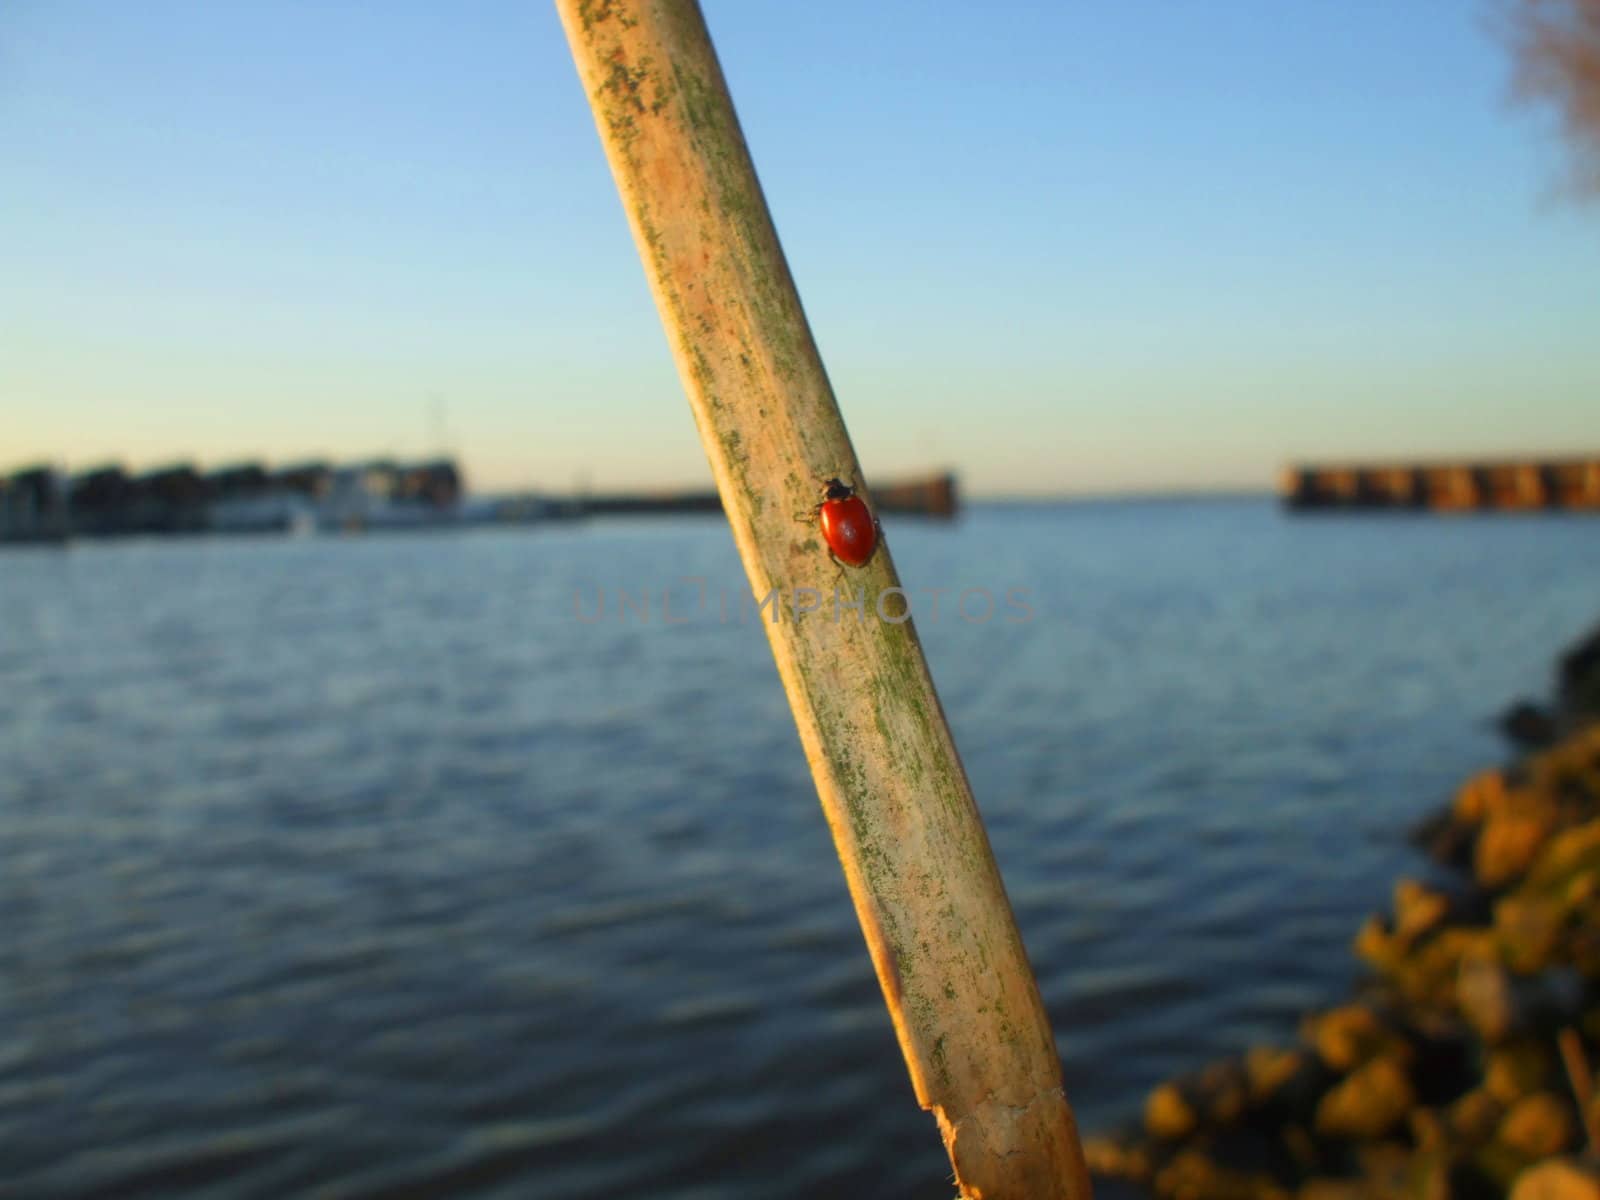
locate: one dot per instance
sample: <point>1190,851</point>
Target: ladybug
<point>847,524</point>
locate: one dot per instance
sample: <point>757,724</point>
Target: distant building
<point>312,480</point>
<point>33,505</point>
<point>241,497</point>
<point>379,476</point>
<point>169,500</point>
<point>247,498</point>
<point>382,494</point>
<point>240,481</point>
<point>98,501</point>
<point>357,496</point>
<point>437,483</point>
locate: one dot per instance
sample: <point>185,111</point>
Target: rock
<point>1384,1167</point>
<point>1570,771</point>
<point>1538,1125</point>
<point>1427,1176</point>
<point>1486,998</point>
<point>1475,1117</point>
<point>1448,1059</point>
<point>1168,1115</point>
<point>1193,1176</point>
<point>1558,1179</point>
<point>1333,1189</point>
<point>1428,975</point>
<point>1428,1129</point>
<point>1519,1069</point>
<point>1477,794</point>
<point>1348,1036</point>
<point>1295,1100</point>
<point>1377,947</point>
<point>1417,909</point>
<point>1440,1081</point>
<point>1581,889</point>
<point>1445,839</point>
<point>1508,845</point>
<point>1528,725</point>
<point>1301,1147</point>
<point>1222,1094</point>
<point>1368,1104</point>
<point>1500,1005</point>
<point>1499,1165</point>
<point>1113,1159</point>
<point>1527,789</point>
<point>1530,928</point>
<point>1269,1070</point>
<point>1569,854</point>
<point>1550,999</point>
<point>1578,678</point>
<point>1583,944</point>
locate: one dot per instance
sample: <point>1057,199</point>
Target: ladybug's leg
<point>841,578</point>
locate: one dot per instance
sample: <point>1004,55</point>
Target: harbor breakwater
<point>1463,1066</point>
<point>1502,485</point>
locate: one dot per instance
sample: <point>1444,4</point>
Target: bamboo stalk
<point>964,1003</point>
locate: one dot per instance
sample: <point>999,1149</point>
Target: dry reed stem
<point>957,982</point>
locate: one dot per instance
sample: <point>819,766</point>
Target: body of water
<point>366,868</point>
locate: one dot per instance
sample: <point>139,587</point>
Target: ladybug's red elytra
<point>847,524</point>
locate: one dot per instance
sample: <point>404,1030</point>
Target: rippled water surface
<point>353,868</point>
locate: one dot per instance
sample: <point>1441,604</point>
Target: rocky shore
<point>1462,1067</point>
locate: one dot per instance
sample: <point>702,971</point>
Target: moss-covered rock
<point>1429,1175</point>
<point>1348,1036</point>
<point>1193,1175</point>
<point>1428,976</point>
<point>1519,1069</point>
<point>1371,1102</point>
<point>1558,1179</point>
<point>1508,845</point>
<point>1169,1115</point>
<point>1530,928</point>
<point>1289,1082</point>
<point>1222,1093</point>
<point>1269,1068</point>
<point>1441,1080</point>
<point>1570,768</point>
<point>1539,1125</point>
<point>1485,996</point>
<point>1418,910</point>
<point>1334,1189</point>
<point>1475,1117</point>
<point>1117,1159</point>
<point>1378,947</point>
<point>1477,795</point>
<point>1569,854</point>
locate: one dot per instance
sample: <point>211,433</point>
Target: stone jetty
<point>1508,485</point>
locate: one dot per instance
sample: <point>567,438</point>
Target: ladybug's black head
<point>839,491</point>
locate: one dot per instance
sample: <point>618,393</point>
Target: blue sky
<point>1080,248</point>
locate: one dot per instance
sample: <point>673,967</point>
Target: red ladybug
<point>847,524</point>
